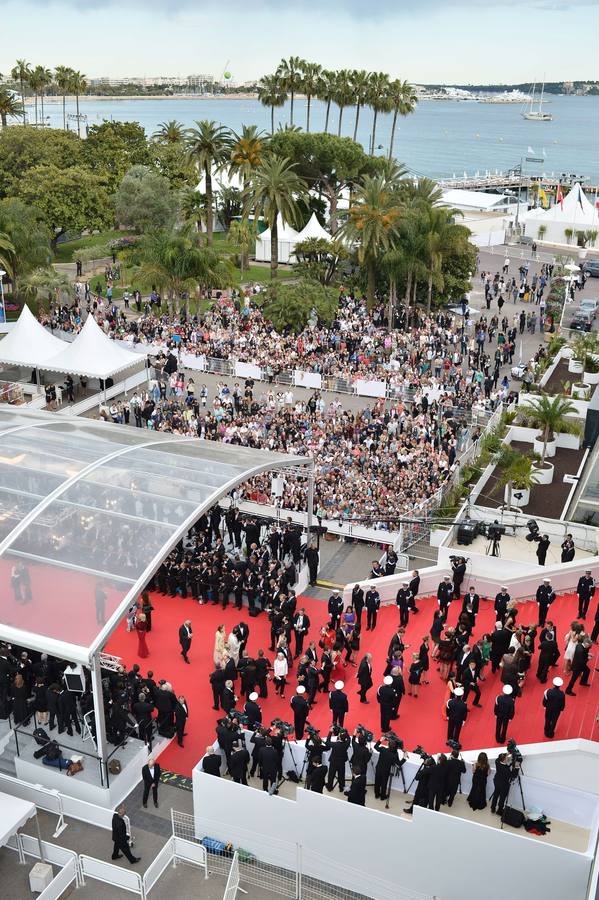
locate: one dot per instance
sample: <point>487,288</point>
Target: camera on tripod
<point>312,731</point>
<point>285,727</point>
<point>239,716</point>
<point>361,729</point>
<point>534,533</point>
<point>455,745</point>
<point>512,749</point>
<point>421,752</point>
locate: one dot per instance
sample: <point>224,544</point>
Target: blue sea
<point>440,140</point>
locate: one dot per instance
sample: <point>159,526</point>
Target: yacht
<point>537,115</point>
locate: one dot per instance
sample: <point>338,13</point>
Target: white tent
<point>93,354</point>
<point>576,213</point>
<point>287,239</point>
<point>28,343</point>
<point>313,230</point>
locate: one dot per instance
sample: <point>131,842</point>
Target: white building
<point>487,215</point>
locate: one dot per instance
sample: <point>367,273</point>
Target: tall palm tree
<point>271,92</point>
<point>10,107</point>
<point>403,99</point>
<point>21,73</point>
<point>360,81</point>
<point>372,224</point>
<point>192,205</point>
<point>441,237</point>
<point>78,86</point>
<point>326,92</point>
<point>247,151</point>
<point>43,78</point>
<point>275,189</point>
<point>64,77</point>
<point>378,100</point>
<point>35,83</point>
<point>242,234</point>
<point>343,95</point>
<point>290,71</point>
<point>171,132</point>
<point>208,146</point>
<point>310,84</point>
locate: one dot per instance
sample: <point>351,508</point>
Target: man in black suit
<point>270,765</point>
<point>414,587</point>
<point>357,788</point>
<point>554,701</point>
<point>238,766</point>
<point>211,762</point>
<point>580,667</point>
<point>470,604</point>
<point>545,597</point>
<point>301,709</point>
<point>372,603</point>
<point>185,634</point>
<point>542,548</point>
<point>386,699</point>
<point>500,641</point>
<point>504,712</point>
<point>181,714</point>
<point>457,713</point>
<point>585,590</point>
<point>253,710</point>
<point>501,601</point>
<point>470,682</point>
<point>365,677</point>
<point>338,703</point>
<point>316,777</point>
<point>142,710</point>
<point>335,608</point>
<point>445,595</point>
<point>547,653</point>
<point>312,556</point>
<point>217,683</point>
<point>301,625</point>
<point>151,776</point>
<point>120,837</point>
<point>388,757</point>
<point>228,697</point>
<point>339,745</point>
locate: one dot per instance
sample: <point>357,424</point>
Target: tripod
<point>507,796</point>
<point>493,547</point>
<point>392,773</point>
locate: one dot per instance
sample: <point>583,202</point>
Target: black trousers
<point>299,643</point>
<point>147,787</point>
<point>363,691</point>
<point>122,847</point>
<point>381,783</point>
<point>404,616</point>
<point>498,798</point>
<point>338,718</point>
<point>371,619</point>
<point>474,689</point>
<point>453,730</point>
<point>543,608</point>
<point>551,719</point>
<point>501,725</point>
<point>595,631</point>
<point>267,780</point>
<point>576,675</point>
<point>336,770</point>
<point>583,607</point>
<point>386,712</point>
<point>313,570</point>
<point>216,696</point>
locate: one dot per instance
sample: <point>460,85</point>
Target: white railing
<point>58,856</point>
<point>67,876</point>
<point>44,798</point>
<point>191,852</point>
<point>233,879</point>
<point>158,865</point>
<point>105,872</point>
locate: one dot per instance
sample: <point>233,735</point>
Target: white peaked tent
<point>93,354</point>
<point>287,239</point>
<point>28,343</point>
<point>576,213</point>
<point>313,229</point>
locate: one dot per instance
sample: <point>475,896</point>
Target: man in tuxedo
<point>585,590</point>
<point>505,709</point>
<point>316,777</point>
<point>181,714</point>
<point>457,713</point>
<point>185,634</point>
<point>150,774</point>
<point>470,682</point>
<point>470,604</point>
<point>554,701</point>
<point>228,698</point>
<point>238,766</point>
<point>580,667</point>
<point>338,703</point>
<point>386,699</point>
<point>357,789</point>
<point>120,838</point>
<point>211,762</point>
<point>501,601</point>
<point>301,625</point>
<point>270,765</point>
<point>365,677</point>
<point>301,709</point>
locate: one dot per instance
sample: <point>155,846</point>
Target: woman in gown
<point>141,626</point>
<point>477,798</point>
<point>220,640</point>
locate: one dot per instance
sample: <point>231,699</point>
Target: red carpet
<point>420,719</point>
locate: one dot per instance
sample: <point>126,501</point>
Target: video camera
<point>534,533</point>
<point>494,531</point>
<point>285,727</point>
<point>421,752</point>
<point>338,730</point>
<point>455,745</point>
<point>361,729</point>
<point>391,736</point>
<point>312,731</point>
<point>512,749</point>
<point>458,559</point>
<point>239,716</point>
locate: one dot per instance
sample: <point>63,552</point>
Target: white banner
<point>307,379</point>
<point>191,361</point>
<point>370,388</point>
<point>247,370</point>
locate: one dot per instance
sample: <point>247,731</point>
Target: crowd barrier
<point>107,873</point>
<point>49,800</point>
<point>158,866</point>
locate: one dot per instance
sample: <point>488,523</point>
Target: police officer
<point>338,703</point>
<point>545,597</point>
<point>386,699</point>
<point>554,701</point>
<point>403,599</point>
<point>445,595</point>
<point>585,590</point>
<point>335,608</point>
<point>373,603</point>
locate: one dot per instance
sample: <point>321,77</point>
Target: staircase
<point>8,753</point>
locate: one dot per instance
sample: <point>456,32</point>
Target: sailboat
<point>537,115</point>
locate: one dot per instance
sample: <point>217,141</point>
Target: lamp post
<point>2,307</point>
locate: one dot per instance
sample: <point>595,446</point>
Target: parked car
<point>591,267</point>
<point>589,305</point>
<point>525,239</point>
<point>582,320</point>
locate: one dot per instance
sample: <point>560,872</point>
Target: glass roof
<point>88,510</point>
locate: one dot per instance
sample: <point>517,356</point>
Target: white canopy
<point>287,239</point>
<point>15,812</point>
<point>92,353</point>
<point>284,232</point>
<point>576,212</point>
<point>313,229</point>
<point>28,343</point>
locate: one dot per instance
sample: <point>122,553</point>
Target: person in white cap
<point>504,712</point>
<point>338,703</point>
<point>445,595</point>
<point>554,701</point>
<point>253,710</point>
<point>457,712</point>
<point>403,599</point>
<point>386,699</point>
<point>585,590</point>
<point>545,597</point>
<point>301,708</point>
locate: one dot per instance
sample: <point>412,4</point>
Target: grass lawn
<point>67,252</point>
<point>262,274</point>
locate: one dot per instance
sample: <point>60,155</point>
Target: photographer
<point>314,746</point>
<point>454,769</point>
<point>568,549</point>
<point>338,743</point>
<point>357,788</point>
<point>238,767</point>
<point>542,548</point>
<point>316,776</point>
<point>388,749</point>
<point>361,752</point>
<point>458,565</point>
<point>506,770</point>
<point>422,788</point>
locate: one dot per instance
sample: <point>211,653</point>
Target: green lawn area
<point>67,252</point>
<point>262,274</point>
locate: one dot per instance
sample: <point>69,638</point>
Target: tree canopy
<point>290,305</point>
<point>144,201</point>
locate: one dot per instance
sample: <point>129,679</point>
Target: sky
<point>423,41</point>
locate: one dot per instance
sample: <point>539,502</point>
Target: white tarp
<point>28,343</point>
<point>370,388</point>
<point>307,379</point>
<point>287,238</point>
<point>93,354</point>
<point>313,230</point>
<point>15,812</point>
<point>247,370</point>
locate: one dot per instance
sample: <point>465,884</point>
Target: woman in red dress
<point>141,626</point>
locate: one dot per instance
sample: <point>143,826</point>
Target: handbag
<point>114,767</point>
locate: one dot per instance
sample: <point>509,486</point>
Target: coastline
<point>70,98</point>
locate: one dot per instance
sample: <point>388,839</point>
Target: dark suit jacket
<point>211,764</point>
<point>147,776</point>
<point>365,674</point>
<point>184,638</point>
<point>119,830</point>
<point>316,779</point>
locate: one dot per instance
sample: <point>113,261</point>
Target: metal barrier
<point>105,872</point>
<point>67,860</point>
<point>191,852</point>
<point>158,866</point>
<point>233,879</point>
<point>44,798</point>
<point>68,875</point>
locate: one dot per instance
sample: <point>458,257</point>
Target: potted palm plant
<point>517,476</point>
<point>550,414</point>
<point>542,232</point>
<point>569,232</point>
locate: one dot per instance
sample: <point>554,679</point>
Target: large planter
<point>580,391</point>
<point>524,499</point>
<point>543,474</point>
<point>537,446</point>
<point>575,366</point>
<point>591,377</point>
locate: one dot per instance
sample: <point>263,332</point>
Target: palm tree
<point>193,206</point>
<point>310,83</point>
<point>343,95</point>
<point>550,414</point>
<point>360,81</point>
<point>78,86</point>
<point>208,146</point>
<point>326,92</point>
<point>378,100</point>
<point>271,92</point>
<point>441,237</point>
<point>372,224</point>
<point>64,78</point>
<point>276,189</point>
<point>247,151</point>
<point>242,235</point>
<point>9,106</point>
<point>21,73</point>
<point>516,470</point>
<point>43,78</point>
<point>35,83</point>
<point>403,99</point>
<point>171,132</point>
<point>290,72</point>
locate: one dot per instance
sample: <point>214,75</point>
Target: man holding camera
<point>545,597</point>
<point>388,748</point>
<point>505,772</point>
<point>542,548</point>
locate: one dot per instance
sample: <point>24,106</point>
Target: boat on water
<point>537,115</point>
<point>514,96</point>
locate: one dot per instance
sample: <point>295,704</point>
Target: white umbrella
<point>572,267</point>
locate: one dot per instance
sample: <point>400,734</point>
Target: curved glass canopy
<point>88,511</point>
